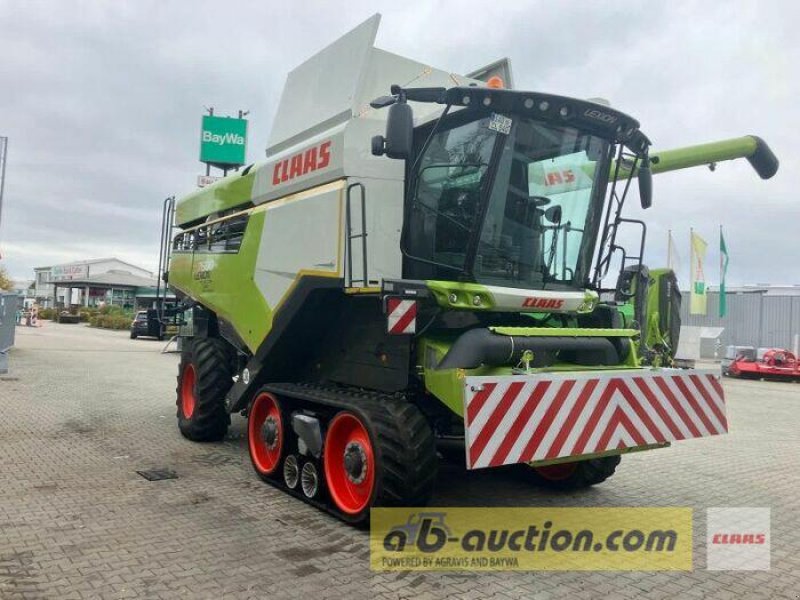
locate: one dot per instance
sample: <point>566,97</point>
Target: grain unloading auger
<point>365,310</point>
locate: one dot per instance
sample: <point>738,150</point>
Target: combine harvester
<point>425,270</point>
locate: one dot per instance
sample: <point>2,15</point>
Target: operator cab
<point>505,200</point>
<point>508,189</point>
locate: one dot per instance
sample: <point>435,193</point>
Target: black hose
<point>480,346</point>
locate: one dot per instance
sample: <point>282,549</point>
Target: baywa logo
<point>429,533</point>
<point>228,138</point>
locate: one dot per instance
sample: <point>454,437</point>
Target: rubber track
<point>404,443</point>
<point>211,360</point>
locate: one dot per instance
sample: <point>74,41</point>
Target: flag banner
<point>723,271</point>
<point>699,297</point>
<point>673,256</point>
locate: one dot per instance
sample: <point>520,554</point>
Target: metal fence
<point>8,323</point>
<point>753,319</point>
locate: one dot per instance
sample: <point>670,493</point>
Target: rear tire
<point>204,377</point>
<point>574,475</point>
<point>133,336</point>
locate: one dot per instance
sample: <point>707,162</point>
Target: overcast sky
<point>102,104</point>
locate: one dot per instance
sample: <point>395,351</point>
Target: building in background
<point>25,291</point>
<point>96,282</point>
<point>759,315</point>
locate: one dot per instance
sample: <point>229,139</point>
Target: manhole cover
<point>158,474</point>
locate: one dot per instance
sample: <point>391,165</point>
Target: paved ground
<point>83,410</point>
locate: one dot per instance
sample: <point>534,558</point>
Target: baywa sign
<point>223,141</point>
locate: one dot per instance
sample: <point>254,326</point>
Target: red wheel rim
<point>188,400</point>
<point>557,472</point>
<point>265,433</point>
<point>349,463</point>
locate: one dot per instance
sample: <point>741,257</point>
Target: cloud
<point>102,103</point>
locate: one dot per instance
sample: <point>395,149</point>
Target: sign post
<point>3,158</point>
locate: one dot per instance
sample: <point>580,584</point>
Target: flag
<point>723,270</point>
<point>697,301</point>
<point>673,258</point>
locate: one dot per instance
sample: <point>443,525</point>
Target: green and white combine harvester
<point>424,273</point>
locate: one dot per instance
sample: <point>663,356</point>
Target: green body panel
<point>627,312</point>
<point>652,340</point>
<point>224,284</point>
<point>464,292</point>
<point>180,272</point>
<point>695,156</point>
<point>655,335</point>
<point>231,192</point>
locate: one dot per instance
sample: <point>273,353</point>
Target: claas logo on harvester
<point>550,303</point>
<point>302,163</point>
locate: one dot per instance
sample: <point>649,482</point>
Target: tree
<point>5,281</point>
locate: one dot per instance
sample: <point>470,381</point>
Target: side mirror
<point>399,138</point>
<point>553,214</point>
<point>646,183</point>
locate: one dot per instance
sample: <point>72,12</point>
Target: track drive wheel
<point>574,475</point>
<point>204,377</point>
<point>265,434</point>
<point>385,457</point>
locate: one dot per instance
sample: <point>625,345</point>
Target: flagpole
<point>720,254</point>
<point>691,259</point>
<point>691,267</point>
<point>723,274</point>
<point>669,250</point>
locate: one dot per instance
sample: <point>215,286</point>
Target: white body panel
<point>521,300</point>
<point>301,234</point>
<point>384,219</point>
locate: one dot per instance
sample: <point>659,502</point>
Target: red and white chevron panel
<point>517,419</point>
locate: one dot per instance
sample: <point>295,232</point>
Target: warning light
<point>495,82</point>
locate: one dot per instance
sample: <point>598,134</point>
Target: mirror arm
<point>645,177</point>
<point>428,139</point>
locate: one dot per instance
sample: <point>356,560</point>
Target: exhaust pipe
<point>479,347</point>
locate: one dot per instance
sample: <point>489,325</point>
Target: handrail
<point>351,236</point>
